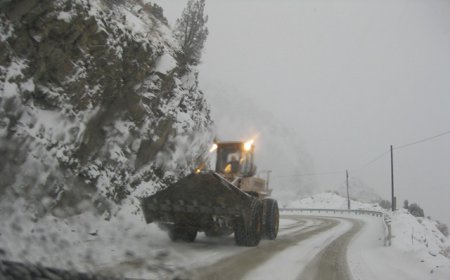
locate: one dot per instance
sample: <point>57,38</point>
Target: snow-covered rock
<point>93,105</point>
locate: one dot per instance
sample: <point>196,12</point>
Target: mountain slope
<point>93,104</point>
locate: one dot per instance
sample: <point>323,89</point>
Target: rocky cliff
<point>93,104</point>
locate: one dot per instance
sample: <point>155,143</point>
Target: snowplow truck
<point>229,200</point>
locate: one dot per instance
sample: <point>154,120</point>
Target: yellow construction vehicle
<point>229,200</point>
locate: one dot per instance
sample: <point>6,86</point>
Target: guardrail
<point>336,211</point>
<point>386,217</point>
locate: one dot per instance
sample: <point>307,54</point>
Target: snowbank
<point>330,200</point>
<point>418,248</point>
<point>418,236</point>
<point>85,243</point>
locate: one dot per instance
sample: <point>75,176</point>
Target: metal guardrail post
<point>388,230</point>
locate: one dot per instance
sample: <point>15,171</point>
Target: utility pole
<point>393,199</point>
<point>348,195</point>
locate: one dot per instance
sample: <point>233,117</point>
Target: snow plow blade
<point>196,200</point>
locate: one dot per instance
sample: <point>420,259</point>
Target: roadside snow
<point>291,262</point>
<point>418,248</point>
<point>125,245</point>
<point>417,235</point>
<point>84,242</point>
<point>369,259</point>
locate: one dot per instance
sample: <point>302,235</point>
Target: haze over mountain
<point>350,78</point>
<point>278,148</point>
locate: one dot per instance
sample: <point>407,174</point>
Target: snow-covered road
<point>305,246</point>
<point>346,246</point>
<point>253,263</point>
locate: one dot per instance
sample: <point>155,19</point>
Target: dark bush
<point>405,204</point>
<point>157,11</point>
<point>442,228</point>
<point>416,210</point>
<point>385,204</point>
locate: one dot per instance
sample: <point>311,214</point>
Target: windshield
<point>228,158</point>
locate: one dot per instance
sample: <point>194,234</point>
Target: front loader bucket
<point>195,199</point>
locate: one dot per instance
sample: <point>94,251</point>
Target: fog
<point>347,78</point>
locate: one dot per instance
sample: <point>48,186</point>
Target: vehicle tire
<point>271,218</point>
<point>177,233</point>
<point>249,235</point>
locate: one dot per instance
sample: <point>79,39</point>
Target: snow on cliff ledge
<point>93,105</point>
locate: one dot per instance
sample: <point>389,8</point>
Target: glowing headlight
<point>248,145</point>
<point>213,148</point>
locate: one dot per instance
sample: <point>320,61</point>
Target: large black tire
<point>271,218</point>
<point>250,234</point>
<point>177,233</point>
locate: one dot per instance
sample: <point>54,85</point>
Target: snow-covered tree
<point>191,32</point>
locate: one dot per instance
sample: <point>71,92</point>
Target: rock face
<point>93,103</point>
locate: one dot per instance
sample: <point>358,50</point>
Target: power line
<point>375,159</point>
<point>422,140</point>
<point>401,147</point>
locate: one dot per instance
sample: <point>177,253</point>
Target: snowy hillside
<point>414,235</point>
<point>332,200</point>
<point>93,105</point>
<point>419,236</point>
<point>358,190</point>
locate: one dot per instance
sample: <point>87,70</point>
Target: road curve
<point>237,266</point>
<point>323,242</point>
<point>331,262</point>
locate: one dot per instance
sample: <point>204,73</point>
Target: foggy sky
<point>349,77</point>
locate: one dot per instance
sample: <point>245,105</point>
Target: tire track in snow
<point>331,262</point>
<point>237,266</point>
